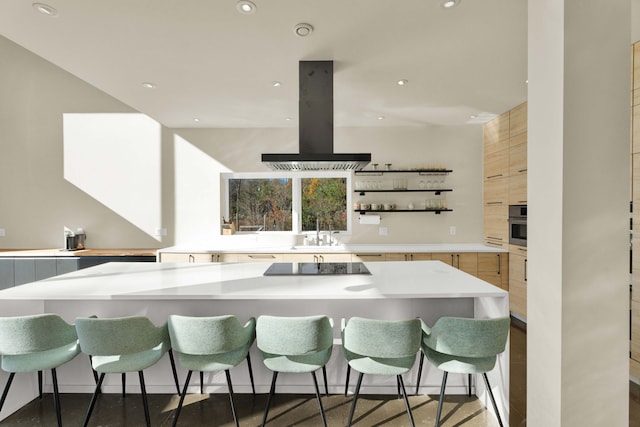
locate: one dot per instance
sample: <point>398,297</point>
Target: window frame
<point>296,196</point>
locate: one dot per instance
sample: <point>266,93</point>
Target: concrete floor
<point>294,410</point>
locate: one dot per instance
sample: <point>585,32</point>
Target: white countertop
<point>233,281</point>
<point>347,248</point>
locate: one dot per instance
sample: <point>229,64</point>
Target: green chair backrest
<point>30,334</point>
<point>382,338</point>
<point>459,336</point>
<point>209,335</point>
<point>293,336</point>
<point>122,335</point>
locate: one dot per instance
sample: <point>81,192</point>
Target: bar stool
<point>295,345</point>
<point>124,344</point>
<point>380,347</point>
<point>211,344</point>
<point>36,343</point>
<point>464,346</point>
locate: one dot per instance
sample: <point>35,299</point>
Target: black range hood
<point>315,112</point>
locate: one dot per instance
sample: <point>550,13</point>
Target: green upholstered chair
<point>294,345</point>
<point>380,347</point>
<point>464,346</point>
<point>36,343</point>
<point>211,344</point>
<point>124,344</point>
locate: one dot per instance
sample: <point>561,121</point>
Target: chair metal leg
<point>124,384</point>
<point>406,401</point>
<point>95,374</point>
<point>346,382</point>
<point>233,404</point>
<point>56,396</point>
<point>6,389</point>
<point>40,384</point>
<point>326,383</point>
<point>355,399</point>
<point>173,369</point>
<point>493,400</point>
<point>184,393</point>
<point>419,372</point>
<point>201,382</point>
<point>272,390</point>
<point>93,400</point>
<point>444,385</point>
<point>145,403</point>
<point>398,387</point>
<point>315,383</point>
<point>253,386</point>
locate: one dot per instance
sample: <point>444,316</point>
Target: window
<point>287,202</point>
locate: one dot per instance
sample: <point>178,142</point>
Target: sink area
<point>322,248</point>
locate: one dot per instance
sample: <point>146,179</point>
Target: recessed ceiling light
<point>402,82</point>
<point>246,7</point>
<point>448,4</point>
<point>276,83</point>
<point>380,117</point>
<point>288,119</point>
<point>45,9</point>
<point>473,116</point>
<point>303,30</point>
<point>148,85</point>
<point>197,120</point>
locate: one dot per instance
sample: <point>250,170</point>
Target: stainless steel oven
<point>518,225</point>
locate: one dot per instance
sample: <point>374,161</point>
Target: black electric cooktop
<point>315,268</point>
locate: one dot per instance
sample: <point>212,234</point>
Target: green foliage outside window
<point>324,199</point>
<point>260,204</point>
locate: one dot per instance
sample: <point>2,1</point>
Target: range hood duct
<point>315,112</point>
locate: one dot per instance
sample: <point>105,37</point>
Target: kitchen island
<point>393,290</point>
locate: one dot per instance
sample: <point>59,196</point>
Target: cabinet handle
<point>494,243</point>
<point>458,259</point>
<point>321,258</point>
<point>411,257</point>
<point>261,256</point>
<point>494,203</point>
<point>315,258</point>
<point>214,257</point>
<point>192,258</point>
<point>494,238</point>
<point>366,255</point>
<point>498,264</point>
<point>525,270</point>
<point>522,170</point>
<point>494,176</point>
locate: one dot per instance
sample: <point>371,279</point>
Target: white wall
<point>45,187</point>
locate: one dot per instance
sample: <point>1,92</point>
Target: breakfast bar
<point>390,290</point>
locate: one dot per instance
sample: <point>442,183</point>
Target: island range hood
<point>315,112</point>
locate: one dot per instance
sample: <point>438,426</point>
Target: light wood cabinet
<point>518,283</point>
<point>496,191</point>
<point>518,120</point>
<point>518,189</point>
<point>496,134</point>
<point>635,330</point>
<point>518,154</point>
<point>465,261</point>
<point>496,165</point>
<point>496,225</point>
<point>319,257</point>
<point>368,257</point>
<point>258,257</point>
<point>394,256</point>
<point>196,257</point>
<point>494,268</point>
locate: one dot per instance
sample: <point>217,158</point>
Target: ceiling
<point>208,61</point>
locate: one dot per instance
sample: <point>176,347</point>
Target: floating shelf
<point>421,190</point>
<point>436,211</point>
<point>372,172</point>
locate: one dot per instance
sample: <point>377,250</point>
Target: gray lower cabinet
<point>18,271</point>
<point>6,273</point>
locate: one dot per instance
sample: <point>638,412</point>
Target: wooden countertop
<point>84,252</point>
